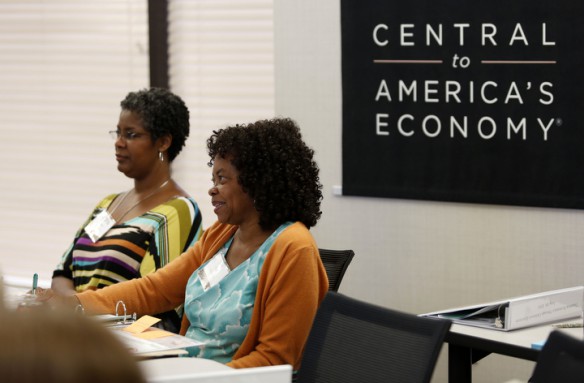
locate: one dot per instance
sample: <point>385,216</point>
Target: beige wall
<point>417,256</point>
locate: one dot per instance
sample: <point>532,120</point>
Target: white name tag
<point>99,225</point>
<point>214,271</point>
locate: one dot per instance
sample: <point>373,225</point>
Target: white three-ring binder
<point>520,312</point>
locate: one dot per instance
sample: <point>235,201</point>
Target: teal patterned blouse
<point>220,316</point>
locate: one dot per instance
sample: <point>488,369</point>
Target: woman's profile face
<point>136,154</point>
<point>231,204</point>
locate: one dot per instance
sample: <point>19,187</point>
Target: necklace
<point>137,203</point>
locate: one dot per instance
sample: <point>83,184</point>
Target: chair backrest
<point>354,341</point>
<point>336,263</point>
<point>561,360</point>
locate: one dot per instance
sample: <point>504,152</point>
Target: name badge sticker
<point>99,225</point>
<point>214,271</point>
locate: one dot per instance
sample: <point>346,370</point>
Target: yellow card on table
<point>153,334</point>
<point>142,324</point>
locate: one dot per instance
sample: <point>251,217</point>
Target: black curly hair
<point>162,113</point>
<point>275,167</point>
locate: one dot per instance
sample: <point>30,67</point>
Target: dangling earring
<point>161,156</point>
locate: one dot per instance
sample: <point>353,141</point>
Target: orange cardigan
<point>291,286</point>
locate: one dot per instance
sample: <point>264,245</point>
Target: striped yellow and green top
<point>132,248</point>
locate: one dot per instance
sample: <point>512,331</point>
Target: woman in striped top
<point>131,234</point>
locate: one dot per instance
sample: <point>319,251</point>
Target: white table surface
<point>198,370</point>
<point>468,344</point>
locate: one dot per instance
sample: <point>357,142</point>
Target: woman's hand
<point>62,286</point>
<point>51,298</point>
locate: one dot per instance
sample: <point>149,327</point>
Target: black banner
<point>467,101</point>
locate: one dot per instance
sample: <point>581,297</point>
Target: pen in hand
<point>35,281</point>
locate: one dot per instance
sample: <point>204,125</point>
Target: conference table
<point>199,370</point>
<point>468,344</point>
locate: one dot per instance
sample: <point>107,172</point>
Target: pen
<point>568,325</point>
<point>35,281</point>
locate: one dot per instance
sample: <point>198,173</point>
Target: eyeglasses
<point>126,135</point>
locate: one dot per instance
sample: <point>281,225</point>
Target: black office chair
<point>353,341</point>
<point>561,360</point>
<point>336,263</point>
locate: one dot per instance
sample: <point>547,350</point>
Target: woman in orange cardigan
<point>253,282</point>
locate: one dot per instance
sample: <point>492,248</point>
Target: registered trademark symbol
<point>559,121</point>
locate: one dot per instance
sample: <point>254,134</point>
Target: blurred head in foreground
<point>46,346</point>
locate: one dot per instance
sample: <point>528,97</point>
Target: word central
<point>434,34</point>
